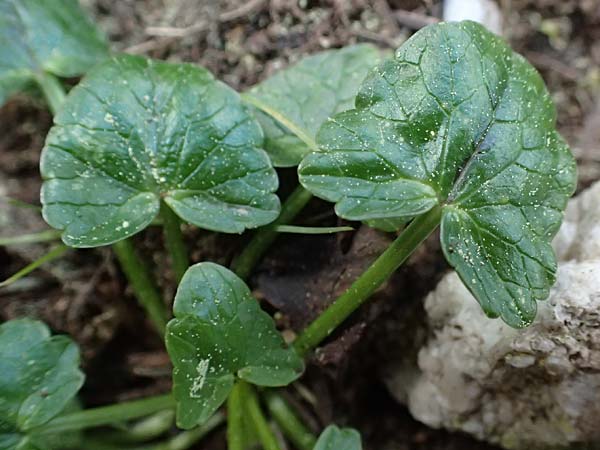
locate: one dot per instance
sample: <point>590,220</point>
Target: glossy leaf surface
<point>457,119</point>
<point>309,92</point>
<point>54,36</point>
<point>137,130</point>
<point>334,438</point>
<point>219,333</point>
<point>39,376</point>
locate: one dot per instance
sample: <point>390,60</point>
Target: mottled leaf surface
<point>219,333</point>
<point>334,438</point>
<point>54,36</point>
<point>309,92</point>
<point>137,130</point>
<point>39,376</point>
<point>457,119</point>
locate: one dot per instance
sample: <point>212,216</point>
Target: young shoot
<point>456,130</point>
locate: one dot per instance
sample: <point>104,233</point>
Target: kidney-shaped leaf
<point>334,438</point>
<point>54,36</point>
<point>220,332</point>
<point>137,130</point>
<point>307,93</point>
<point>457,119</point>
<point>39,376</point>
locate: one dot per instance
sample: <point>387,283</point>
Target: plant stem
<point>32,238</point>
<point>310,230</point>
<point>174,240</point>
<point>186,439</point>
<point>255,414</point>
<point>106,415</point>
<point>289,422</point>
<point>141,281</point>
<point>52,89</point>
<point>369,281</point>
<point>235,417</point>
<point>182,441</point>
<point>265,236</point>
<point>146,429</point>
<point>53,254</point>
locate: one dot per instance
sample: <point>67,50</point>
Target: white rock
<point>522,389</point>
<point>579,235</point>
<point>486,12</point>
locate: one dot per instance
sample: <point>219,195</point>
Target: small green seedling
<point>39,378</point>
<point>136,132</point>
<point>456,130</point>
<point>334,438</point>
<point>220,333</point>
<point>40,39</point>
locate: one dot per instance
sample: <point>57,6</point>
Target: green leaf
<point>137,130</point>
<point>334,438</point>
<point>457,119</point>
<point>307,93</point>
<point>54,36</point>
<point>220,332</point>
<point>39,377</point>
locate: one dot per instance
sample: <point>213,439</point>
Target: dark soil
<point>241,42</point>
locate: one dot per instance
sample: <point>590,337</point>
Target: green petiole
<point>32,238</point>
<point>288,421</point>
<point>174,240</point>
<point>292,229</point>
<point>107,415</point>
<point>265,236</point>
<point>181,441</point>
<point>257,418</point>
<point>144,430</point>
<point>235,417</point>
<point>138,275</point>
<point>53,254</point>
<point>52,89</point>
<point>383,267</point>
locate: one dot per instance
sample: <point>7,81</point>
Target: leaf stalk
<point>235,418</point>
<point>107,415</point>
<point>265,236</point>
<point>257,418</point>
<point>139,277</point>
<point>52,90</point>
<point>174,240</point>
<point>362,288</point>
<point>288,421</point>
<point>53,254</point>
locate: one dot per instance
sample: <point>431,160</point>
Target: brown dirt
<point>242,42</point>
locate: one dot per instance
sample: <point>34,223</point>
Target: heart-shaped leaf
<point>459,120</point>
<point>307,93</point>
<point>52,36</point>
<point>137,130</point>
<point>334,438</point>
<point>39,376</point>
<point>220,332</point>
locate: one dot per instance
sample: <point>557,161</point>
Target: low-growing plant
<point>455,131</point>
